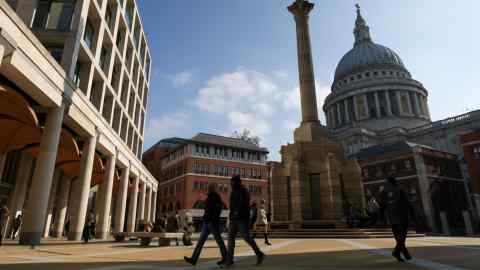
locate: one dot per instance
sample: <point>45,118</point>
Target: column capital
<point>301,9</point>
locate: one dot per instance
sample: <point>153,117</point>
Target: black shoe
<point>397,256</point>
<point>260,259</point>
<point>268,243</point>
<point>227,264</point>
<point>189,260</point>
<point>221,262</point>
<point>407,256</point>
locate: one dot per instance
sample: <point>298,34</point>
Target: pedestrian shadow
<point>288,258</point>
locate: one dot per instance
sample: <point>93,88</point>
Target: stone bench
<point>147,237</point>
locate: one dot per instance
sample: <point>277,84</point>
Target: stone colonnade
<point>48,198</point>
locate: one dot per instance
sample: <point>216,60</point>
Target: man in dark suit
<point>239,220</point>
<point>211,225</point>
<point>395,203</point>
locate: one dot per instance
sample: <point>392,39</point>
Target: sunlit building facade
<point>74,80</point>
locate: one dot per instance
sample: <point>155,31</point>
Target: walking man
<point>211,225</point>
<point>239,220</point>
<point>398,208</point>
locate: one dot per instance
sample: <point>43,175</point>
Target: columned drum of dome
<point>372,90</point>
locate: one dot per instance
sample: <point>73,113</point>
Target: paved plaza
<point>430,253</point>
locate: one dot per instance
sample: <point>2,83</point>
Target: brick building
<point>185,168</point>
<point>431,178</point>
<point>471,152</point>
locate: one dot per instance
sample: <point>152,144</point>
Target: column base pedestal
<point>30,238</point>
<point>74,236</point>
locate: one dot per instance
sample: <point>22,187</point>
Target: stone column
<point>141,202</point>
<point>81,190</point>
<point>37,203</point>
<point>377,105</point>
<point>347,113</point>
<point>105,203</point>
<point>339,114</point>
<point>132,208</point>
<point>424,186</point>
<point>3,159</point>
<point>122,200</point>
<point>445,225</point>
<point>148,204</point>
<point>399,103</point>
<point>153,215</point>
<point>62,205</point>
<point>417,104</point>
<point>300,11</point>
<point>17,199</point>
<point>21,183</point>
<point>355,109</point>
<point>389,104</point>
<point>51,203</point>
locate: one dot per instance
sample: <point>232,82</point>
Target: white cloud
<point>281,74</point>
<point>182,79</point>
<point>167,125</point>
<point>253,100</point>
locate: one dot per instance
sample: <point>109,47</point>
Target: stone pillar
<point>153,215</point>
<point>377,105</point>
<point>141,202</point>
<point>445,225</point>
<point>62,205</point>
<point>132,208</point>
<point>21,183</point>
<point>417,104</point>
<point>339,114</point>
<point>399,103</point>
<point>51,203</point>
<point>424,186</point>
<point>81,190</point>
<point>17,199</point>
<point>105,203</point>
<point>122,200</point>
<point>355,109</point>
<point>468,223</point>
<point>389,104</point>
<point>37,203</point>
<point>347,112</point>
<point>3,159</point>
<point>148,204</point>
<point>300,10</point>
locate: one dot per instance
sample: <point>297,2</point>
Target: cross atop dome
<point>361,31</point>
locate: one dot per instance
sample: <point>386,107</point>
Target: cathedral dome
<point>366,54</point>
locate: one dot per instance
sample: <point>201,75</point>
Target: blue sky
<point>225,65</point>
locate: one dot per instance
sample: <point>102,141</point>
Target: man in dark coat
<point>239,220</point>
<point>395,203</point>
<point>211,225</point>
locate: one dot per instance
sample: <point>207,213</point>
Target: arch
<point>18,121</point>
<point>199,205</point>
<point>178,206</point>
<point>170,207</point>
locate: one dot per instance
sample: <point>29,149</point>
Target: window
<point>76,75</point>
<point>54,15</point>
<point>88,35</point>
<point>476,152</point>
<point>109,18</point>
<point>56,52</point>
